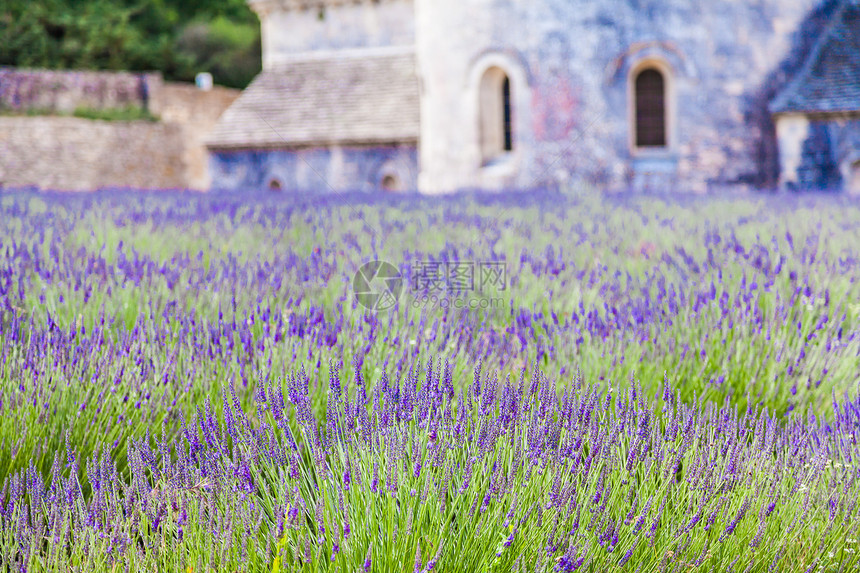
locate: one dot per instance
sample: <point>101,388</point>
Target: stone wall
<point>819,152</point>
<point>317,170</point>
<point>571,64</point>
<point>845,135</point>
<point>64,91</point>
<point>54,152</point>
<point>196,112</point>
<point>377,24</point>
<point>68,153</point>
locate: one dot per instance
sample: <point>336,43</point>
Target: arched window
<point>854,177</point>
<point>496,124</point>
<point>650,102</point>
<point>506,99</point>
<point>390,183</point>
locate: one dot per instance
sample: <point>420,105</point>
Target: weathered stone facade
<point>531,93</point>
<point>296,28</point>
<point>819,153</point>
<point>318,169</point>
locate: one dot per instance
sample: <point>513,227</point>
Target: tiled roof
<point>344,99</point>
<point>829,81</point>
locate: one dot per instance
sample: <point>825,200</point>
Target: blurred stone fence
<point>40,146</point>
<point>65,91</point>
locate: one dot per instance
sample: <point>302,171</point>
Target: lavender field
<point>549,383</point>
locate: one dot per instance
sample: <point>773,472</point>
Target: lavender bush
<point>189,382</point>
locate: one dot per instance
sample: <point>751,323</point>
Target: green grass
<point>127,113</point>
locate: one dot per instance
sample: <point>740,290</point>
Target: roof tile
<point>317,101</point>
<point>830,79</point>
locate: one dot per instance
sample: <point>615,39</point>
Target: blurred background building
<point>684,95</point>
<point>441,95</point>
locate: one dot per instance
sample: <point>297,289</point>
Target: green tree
<point>177,37</point>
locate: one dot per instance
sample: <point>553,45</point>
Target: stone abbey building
<point>442,95</point>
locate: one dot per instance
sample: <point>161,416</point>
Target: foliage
<point>230,52</point>
<point>189,381</point>
<point>130,113</point>
<point>137,35</point>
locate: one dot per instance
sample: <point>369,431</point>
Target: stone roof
<point>325,100</point>
<point>829,81</point>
